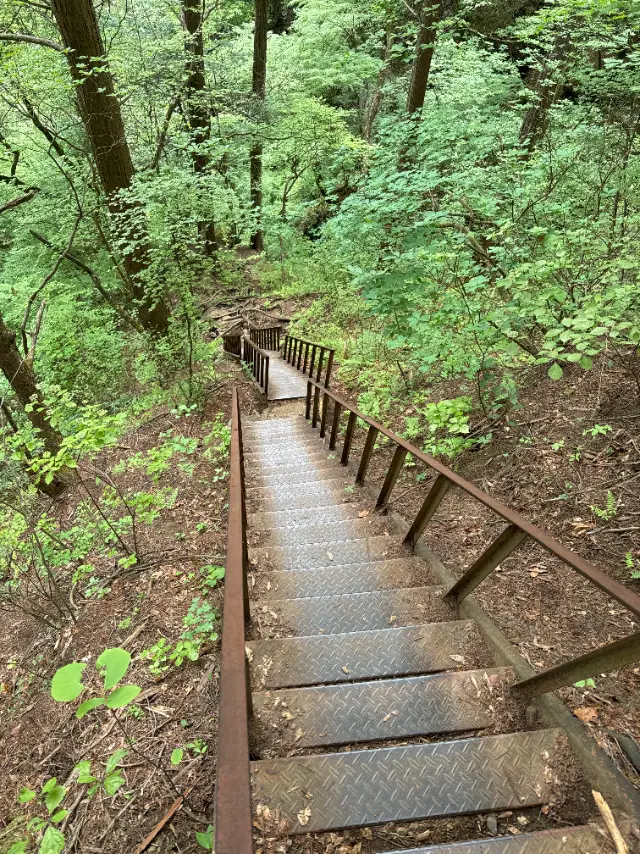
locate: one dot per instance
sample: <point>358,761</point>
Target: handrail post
<point>372,435</point>
<point>429,506</point>
<point>300,354</point>
<point>306,356</point>
<point>316,400</point>
<point>497,551</point>
<point>392,476</point>
<point>325,411</point>
<point>327,373</point>
<point>313,359</point>
<point>307,410</point>
<point>320,361</point>
<point>348,438</point>
<point>266,378</point>
<point>335,424</point>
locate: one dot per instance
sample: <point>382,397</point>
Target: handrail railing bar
<point>233,813</point>
<point>599,578</point>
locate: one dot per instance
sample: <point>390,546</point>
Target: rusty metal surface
<point>569,840</point>
<point>391,708</point>
<point>341,580</point>
<point>329,659</point>
<point>233,789</point>
<point>622,594</point>
<point>332,791</point>
<point>358,612</point>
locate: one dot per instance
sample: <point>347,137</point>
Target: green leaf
<point>52,842</point>
<point>176,756</point>
<point>54,797</point>
<point>115,759</point>
<point>66,684</point>
<point>83,769</point>
<point>59,816</point>
<point>113,782</point>
<point>122,696</point>
<point>113,664</point>
<point>586,363</point>
<point>512,349</point>
<point>18,847</point>
<point>51,783</point>
<point>555,372</point>
<point>26,795</point>
<point>88,705</point>
<point>205,840</point>
<point>573,357</point>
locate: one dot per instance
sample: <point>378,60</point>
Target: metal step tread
<point>419,781</point>
<point>294,474</point>
<point>352,578</point>
<point>319,555</point>
<point>385,709</point>
<point>357,612</point>
<point>314,494</point>
<point>569,840</point>
<point>328,532</point>
<point>303,436</point>
<point>269,519</point>
<point>304,464</point>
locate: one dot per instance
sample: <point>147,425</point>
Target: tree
<point>18,372</point>
<point>425,44</point>
<point>259,81</point>
<point>197,110</point>
<point>102,118</point>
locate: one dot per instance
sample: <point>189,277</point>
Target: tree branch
<point>28,39</point>
<point>19,201</point>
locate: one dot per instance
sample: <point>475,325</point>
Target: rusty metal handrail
<point>517,531</point>
<point>292,353</point>
<point>267,337</point>
<point>258,360</point>
<point>232,344</point>
<point>233,817</point>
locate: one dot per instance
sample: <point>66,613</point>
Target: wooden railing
<point>232,344</point>
<point>267,337</point>
<point>258,361</point>
<point>233,817</point>
<point>302,355</point>
<point>518,529</point>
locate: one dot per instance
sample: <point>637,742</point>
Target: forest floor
<point>568,459</point>
<point>177,708</point>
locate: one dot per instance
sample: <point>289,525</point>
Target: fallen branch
<point>27,39</point>
<point>609,820</point>
<point>173,809</point>
<point>19,201</point>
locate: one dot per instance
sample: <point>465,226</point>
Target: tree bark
<point>196,107</point>
<point>546,87</point>
<point>376,101</point>
<point>425,44</point>
<point>102,118</point>
<point>259,83</point>
<point>19,374</point>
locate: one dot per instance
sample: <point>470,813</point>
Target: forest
<point>447,193</point>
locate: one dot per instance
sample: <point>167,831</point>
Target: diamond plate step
<point>354,578</point>
<point>287,456</point>
<point>569,840</point>
<point>358,612</point>
<point>320,555</point>
<point>375,711</point>
<point>327,532</point>
<point>268,520</point>
<point>419,781</point>
<point>283,496</point>
<point>283,470</point>
<point>328,471</point>
<point>294,662</point>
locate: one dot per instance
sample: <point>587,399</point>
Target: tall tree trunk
<point>19,374</point>
<point>374,105</point>
<point>545,87</point>
<point>425,44</point>
<point>102,118</point>
<point>197,109</point>
<point>259,91</point>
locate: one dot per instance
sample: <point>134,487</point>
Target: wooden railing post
<point>348,438</point>
<point>392,476</point>
<point>372,435</point>
<point>337,409</point>
<point>316,400</point>
<point>497,551</point>
<point>307,411</point>
<point>325,410</point>
<point>429,506</point>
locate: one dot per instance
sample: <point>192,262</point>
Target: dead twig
<point>610,822</point>
<point>173,809</point>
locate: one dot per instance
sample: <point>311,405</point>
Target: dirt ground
<point>40,738</point>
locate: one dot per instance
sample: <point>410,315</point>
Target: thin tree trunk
<point>197,109</point>
<point>376,101</point>
<point>425,44</point>
<point>19,374</point>
<point>259,90</point>
<point>545,87</point>
<point>102,118</point>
